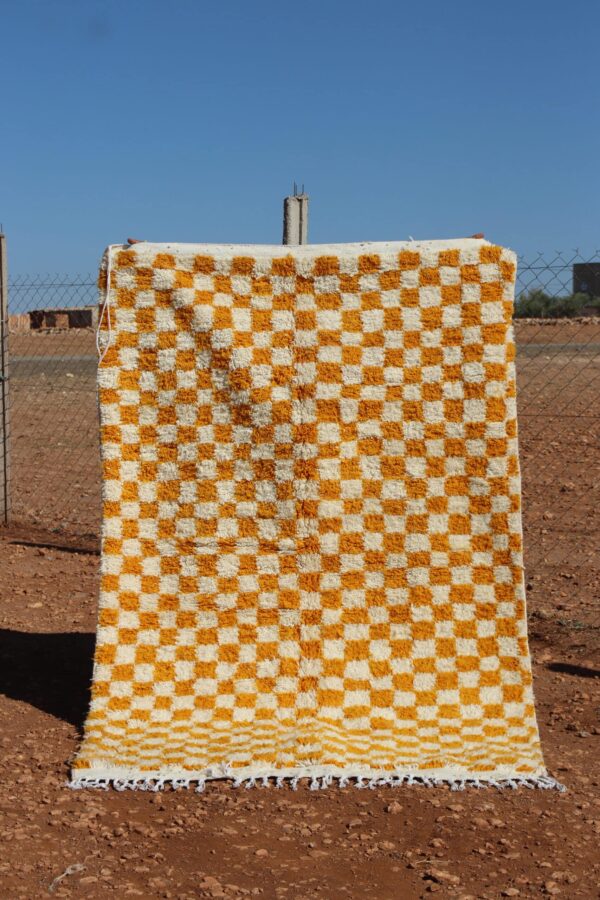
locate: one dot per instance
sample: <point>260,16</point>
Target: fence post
<point>295,218</point>
<point>4,387</point>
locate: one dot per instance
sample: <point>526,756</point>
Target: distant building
<point>67,317</point>
<point>586,278</point>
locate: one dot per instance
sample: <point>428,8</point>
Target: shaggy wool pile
<point>312,547</point>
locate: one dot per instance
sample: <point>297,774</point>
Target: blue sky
<point>189,120</point>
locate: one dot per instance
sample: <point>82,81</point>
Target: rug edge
<point>122,779</point>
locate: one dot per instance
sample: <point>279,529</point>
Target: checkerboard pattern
<point>312,548</point>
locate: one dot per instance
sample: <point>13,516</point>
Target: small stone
<point>262,852</point>
<point>394,807</point>
<point>441,877</point>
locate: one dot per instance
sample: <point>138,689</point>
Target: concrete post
<point>295,219</point>
<point>4,424</point>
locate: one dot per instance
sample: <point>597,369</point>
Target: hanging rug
<point>311,544</point>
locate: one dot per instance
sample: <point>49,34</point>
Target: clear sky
<point>188,120</point>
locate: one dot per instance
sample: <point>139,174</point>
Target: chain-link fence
<point>53,428</point>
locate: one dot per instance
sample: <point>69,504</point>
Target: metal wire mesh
<point>53,418</point>
<point>55,470</point>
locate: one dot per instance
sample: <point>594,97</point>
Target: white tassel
<point>319,782</point>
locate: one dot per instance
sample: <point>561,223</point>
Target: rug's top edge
<point>269,250</point>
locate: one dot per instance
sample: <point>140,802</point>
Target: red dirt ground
<point>385,843</point>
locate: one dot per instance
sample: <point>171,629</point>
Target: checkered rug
<point>311,548</point>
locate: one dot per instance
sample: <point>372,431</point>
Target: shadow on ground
<point>572,669</point>
<point>50,671</point>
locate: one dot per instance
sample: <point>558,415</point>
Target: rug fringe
<point>541,782</point>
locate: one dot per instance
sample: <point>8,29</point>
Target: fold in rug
<point>311,545</point>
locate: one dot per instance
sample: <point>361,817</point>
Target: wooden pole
<point>4,422</point>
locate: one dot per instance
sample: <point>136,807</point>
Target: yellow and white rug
<point>311,549</point>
